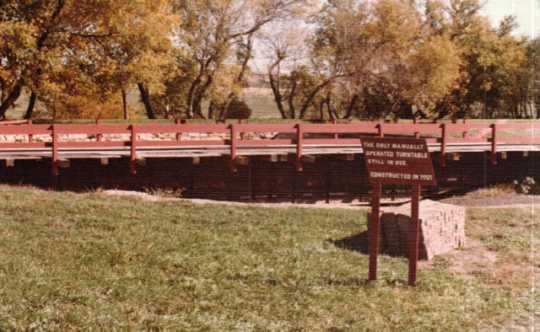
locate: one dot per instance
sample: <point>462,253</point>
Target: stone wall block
<point>442,229</point>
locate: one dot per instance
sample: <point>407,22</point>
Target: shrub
<point>527,186</point>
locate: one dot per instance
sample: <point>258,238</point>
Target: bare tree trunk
<point>290,98</point>
<point>197,107</point>
<point>145,97</point>
<point>352,105</point>
<point>31,104</point>
<point>332,112</point>
<point>321,110</point>
<point>211,109</point>
<point>125,111</point>
<point>312,95</point>
<point>191,92</point>
<point>245,61</point>
<point>393,110</point>
<point>278,98</point>
<point>54,110</point>
<point>196,95</point>
<point>223,112</point>
<point>11,98</point>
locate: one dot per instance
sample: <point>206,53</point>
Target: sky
<point>527,13</point>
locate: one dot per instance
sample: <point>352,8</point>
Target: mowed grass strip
<point>84,261</point>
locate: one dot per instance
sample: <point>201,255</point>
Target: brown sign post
<point>396,161</point>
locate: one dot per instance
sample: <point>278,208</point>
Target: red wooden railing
<point>235,136</point>
<point>15,122</point>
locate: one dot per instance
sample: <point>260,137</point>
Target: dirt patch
<point>500,249</point>
<point>505,199</point>
<point>501,252</point>
<point>140,195</point>
<point>475,258</point>
<point>157,198</point>
<point>501,201</point>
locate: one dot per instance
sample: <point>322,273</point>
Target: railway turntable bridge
<point>251,161</point>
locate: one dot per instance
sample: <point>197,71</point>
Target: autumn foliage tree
<point>214,46</point>
<point>493,61</point>
<point>382,51</point>
<point>397,58</point>
<point>322,60</point>
<point>62,49</point>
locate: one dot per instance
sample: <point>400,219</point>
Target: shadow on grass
<point>358,243</point>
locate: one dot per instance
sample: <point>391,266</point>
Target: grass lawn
<point>84,261</point>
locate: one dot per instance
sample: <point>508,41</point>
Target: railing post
<point>55,154</point>
<point>414,229</point>
<point>234,146</point>
<point>494,144</point>
<point>374,231</point>
<point>178,132</point>
<point>133,154</point>
<point>299,144</point>
<point>30,136</point>
<point>240,121</point>
<point>99,136</point>
<point>444,138</point>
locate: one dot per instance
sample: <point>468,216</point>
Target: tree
<point>49,45</point>
<point>387,53</point>
<point>215,44</point>
<point>297,79</point>
<point>492,65</point>
<point>533,77</point>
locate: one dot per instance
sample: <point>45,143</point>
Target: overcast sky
<point>527,13</point>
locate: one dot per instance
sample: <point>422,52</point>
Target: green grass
<point>514,234</point>
<point>84,261</point>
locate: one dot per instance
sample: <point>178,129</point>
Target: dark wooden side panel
<point>260,178</point>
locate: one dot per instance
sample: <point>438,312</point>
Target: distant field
<point>19,110</point>
<point>84,261</point>
<point>260,100</point>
